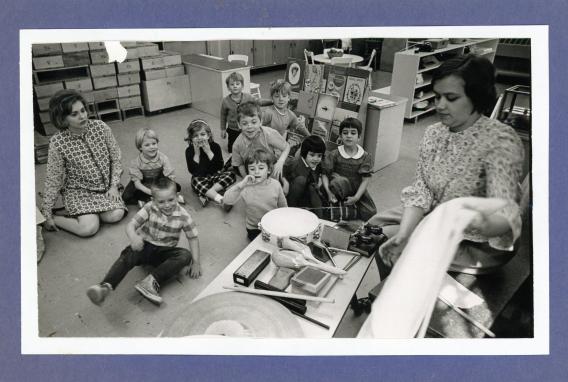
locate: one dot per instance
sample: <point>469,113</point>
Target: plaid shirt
<point>163,230</point>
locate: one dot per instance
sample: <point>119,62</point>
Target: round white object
<point>289,221</point>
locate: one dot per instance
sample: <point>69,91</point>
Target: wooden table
<point>324,58</point>
<point>327,313</point>
<point>207,80</point>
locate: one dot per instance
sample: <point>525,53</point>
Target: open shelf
<point>426,96</point>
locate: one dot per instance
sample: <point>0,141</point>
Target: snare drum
<point>289,222</point>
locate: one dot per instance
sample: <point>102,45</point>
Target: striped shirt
<point>163,230</point>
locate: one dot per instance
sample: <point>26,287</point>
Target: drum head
<point>233,314</point>
<point>289,221</point>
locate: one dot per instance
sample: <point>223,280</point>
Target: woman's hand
<point>194,270</point>
<point>391,250</point>
<point>49,224</point>
<point>113,194</point>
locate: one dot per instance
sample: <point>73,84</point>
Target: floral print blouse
<point>484,160</point>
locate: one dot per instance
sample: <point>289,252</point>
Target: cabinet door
<point>166,92</point>
<point>282,49</point>
<point>243,47</point>
<point>262,52</point>
<point>186,47</point>
<point>219,48</point>
<point>297,48</point>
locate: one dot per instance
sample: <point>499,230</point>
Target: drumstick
<point>279,294</point>
<point>467,317</point>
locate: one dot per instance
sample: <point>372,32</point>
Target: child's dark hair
<point>195,126</point>
<point>349,123</point>
<point>313,143</point>
<point>259,155</point>
<point>235,77</point>
<point>163,183</point>
<point>248,109</point>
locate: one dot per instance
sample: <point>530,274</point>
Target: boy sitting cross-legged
<point>154,234</point>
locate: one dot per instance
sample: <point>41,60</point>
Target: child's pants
<point>167,260</point>
<point>232,137</point>
<point>202,184</point>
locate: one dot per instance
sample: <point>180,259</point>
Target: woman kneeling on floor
<point>84,166</point>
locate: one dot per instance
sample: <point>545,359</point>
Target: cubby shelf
<point>408,64</point>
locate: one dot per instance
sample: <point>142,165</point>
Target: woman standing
<point>465,154</point>
<point>84,166</point>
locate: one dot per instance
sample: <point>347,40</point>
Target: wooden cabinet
<point>262,53</point>
<point>186,47</point>
<point>412,72</point>
<point>219,48</point>
<point>281,50</point>
<point>164,93</point>
<point>297,48</point>
<point>247,48</point>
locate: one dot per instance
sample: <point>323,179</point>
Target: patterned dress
<point>484,160</point>
<point>83,168</point>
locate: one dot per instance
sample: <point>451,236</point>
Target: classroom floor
<point>71,264</point>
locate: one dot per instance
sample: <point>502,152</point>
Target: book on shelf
<point>381,103</point>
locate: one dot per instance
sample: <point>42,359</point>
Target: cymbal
<point>234,314</point>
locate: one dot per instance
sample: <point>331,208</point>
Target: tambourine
<point>287,222</point>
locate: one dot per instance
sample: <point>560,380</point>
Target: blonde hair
<point>145,133</point>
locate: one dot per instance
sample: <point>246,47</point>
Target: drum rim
<point>275,230</point>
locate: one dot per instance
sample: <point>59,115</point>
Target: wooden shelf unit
<point>408,65</point>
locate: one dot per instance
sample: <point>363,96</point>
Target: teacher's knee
<point>88,225</point>
<point>112,216</point>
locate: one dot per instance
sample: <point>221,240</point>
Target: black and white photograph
<point>169,204</point>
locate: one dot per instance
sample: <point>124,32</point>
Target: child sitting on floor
<point>229,104</point>
<point>254,135</point>
<point>304,174</point>
<point>259,192</point>
<point>278,116</point>
<point>347,171</point>
<point>154,234</point>
<point>150,165</point>
<point>205,163</point>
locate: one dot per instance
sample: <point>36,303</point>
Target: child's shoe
<point>203,200</point>
<point>149,288</point>
<point>141,204</point>
<point>180,198</point>
<point>97,293</point>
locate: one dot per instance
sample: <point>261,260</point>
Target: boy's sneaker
<point>149,288</point>
<point>203,200</point>
<point>98,293</point>
<point>180,198</point>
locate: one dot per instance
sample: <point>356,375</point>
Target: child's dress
<point>346,174</point>
<point>304,184</point>
<point>208,171</point>
<point>147,171</point>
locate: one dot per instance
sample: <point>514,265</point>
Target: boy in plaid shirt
<point>154,234</point>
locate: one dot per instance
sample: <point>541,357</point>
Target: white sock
<point>219,198</point>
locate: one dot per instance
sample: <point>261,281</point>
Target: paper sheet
<point>457,294</point>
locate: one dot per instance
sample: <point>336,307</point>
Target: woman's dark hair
<point>313,143</point>
<point>478,73</point>
<point>60,106</point>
